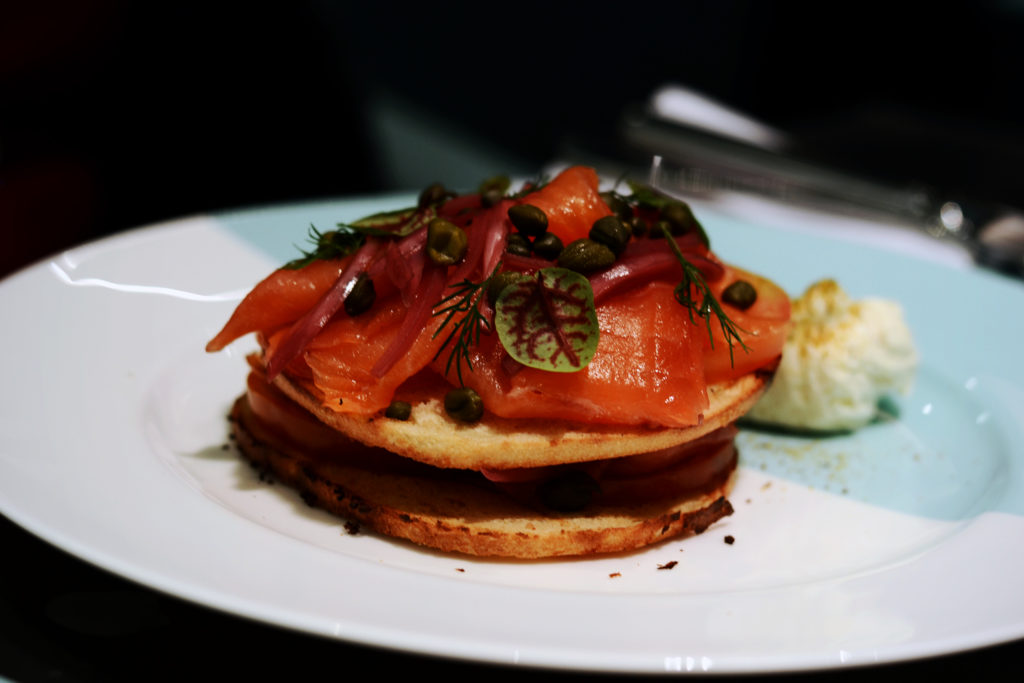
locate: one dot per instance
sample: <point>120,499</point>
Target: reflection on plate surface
<point>840,544</point>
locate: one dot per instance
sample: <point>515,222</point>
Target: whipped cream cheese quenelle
<point>840,358</point>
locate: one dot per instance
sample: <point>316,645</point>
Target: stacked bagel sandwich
<point>472,378</point>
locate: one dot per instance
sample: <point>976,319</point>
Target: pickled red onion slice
<point>309,325</point>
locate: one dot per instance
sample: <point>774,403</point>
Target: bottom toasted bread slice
<point>459,511</point>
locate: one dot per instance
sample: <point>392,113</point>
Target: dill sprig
<point>348,237</point>
<point>708,305</point>
<point>535,185</point>
<point>467,329</point>
<point>327,245</point>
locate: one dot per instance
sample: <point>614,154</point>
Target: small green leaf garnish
<point>385,219</point>
<point>647,197</point>
<point>400,223</point>
<point>708,305</point>
<point>465,300</point>
<point>549,322</point>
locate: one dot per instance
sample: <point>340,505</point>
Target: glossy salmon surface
<point>647,369</point>
<point>654,357</point>
<point>279,300</point>
<point>571,201</point>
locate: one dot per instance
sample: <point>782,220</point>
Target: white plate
<point>900,541</point>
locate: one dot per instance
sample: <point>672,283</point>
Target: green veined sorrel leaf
<point>548,322</point>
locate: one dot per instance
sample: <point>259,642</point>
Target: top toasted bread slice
<point>432,437</point>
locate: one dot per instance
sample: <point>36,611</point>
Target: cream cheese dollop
<point>840,358</point>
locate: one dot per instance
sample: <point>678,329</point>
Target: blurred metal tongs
<point>708,148</point>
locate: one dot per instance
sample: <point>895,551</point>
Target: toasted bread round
<point>430,436</point>
<point>459,511</point>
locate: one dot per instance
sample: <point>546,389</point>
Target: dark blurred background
<point>117,114</point>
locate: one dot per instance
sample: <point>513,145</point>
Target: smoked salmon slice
<point>279,300</point>
<point>654,357</point>
<point>647,369</point>
<point>342,357</point>
<point>572,203</point>
<point>765,326</point>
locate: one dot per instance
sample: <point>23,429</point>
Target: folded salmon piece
<point>654,357</point>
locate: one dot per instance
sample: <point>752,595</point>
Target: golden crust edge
<point>433,438</point>
<point>514,531</point>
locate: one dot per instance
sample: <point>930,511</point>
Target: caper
<point>612,232</point>
<point>398,410</point>
<point>493,190</point>
<point>432,194</point>
<point>518,244</point>
<point>618,205</point>
<point>586,256</point>
<point>361,297</point>
<point>679,217</point>
<point>548,246</point>
<point>740,294</point>
<point>502,280</point>
<point>464,404</point>
<point>569,491</point>
<point>681,220</point>
<point>638,226</point>
<point>446,242</point>
<point>528,219</point>
<point>490,197</point>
